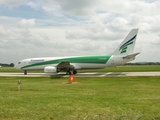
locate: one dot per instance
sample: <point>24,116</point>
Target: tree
<point>11,65</point>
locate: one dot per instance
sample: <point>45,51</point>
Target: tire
<point>25,72</point>
<point>68,73</point>
<point>74,72</point>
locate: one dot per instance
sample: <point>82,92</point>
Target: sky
<point>51,28</point>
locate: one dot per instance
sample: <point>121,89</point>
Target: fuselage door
<point>112,61</point>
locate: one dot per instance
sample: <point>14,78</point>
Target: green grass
<point>8,69</point>
<point>12,69</point>
<point>134,68</point>
<point>44,98</point>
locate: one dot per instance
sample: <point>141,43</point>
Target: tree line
<point>7,65</point>
<point>144,63</point>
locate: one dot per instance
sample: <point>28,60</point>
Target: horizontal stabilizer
<point>130,56</point>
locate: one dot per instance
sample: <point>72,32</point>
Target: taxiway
<point>95,74</point>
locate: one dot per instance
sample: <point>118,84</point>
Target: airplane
<point>53,65</point>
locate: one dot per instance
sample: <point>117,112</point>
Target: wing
<point>64,66</point>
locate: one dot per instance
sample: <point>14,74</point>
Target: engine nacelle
<point>50,69</point>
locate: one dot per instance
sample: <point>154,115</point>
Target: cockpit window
<point>19,62</point>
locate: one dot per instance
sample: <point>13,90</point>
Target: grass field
<point>45,98</point>
<point>134,68</point>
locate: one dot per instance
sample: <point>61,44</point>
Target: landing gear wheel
<point>25,72</point>
<point>68,73</point>
<point>74,72</point>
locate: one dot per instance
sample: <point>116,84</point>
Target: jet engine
<point>50,69</point>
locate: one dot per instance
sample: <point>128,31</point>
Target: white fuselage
<point>113,61</point>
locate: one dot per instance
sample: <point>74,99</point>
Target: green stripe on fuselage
<point>80,59</point>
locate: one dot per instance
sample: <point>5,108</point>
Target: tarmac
<point>94,74</point>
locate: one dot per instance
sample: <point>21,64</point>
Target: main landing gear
<point>74,72</point>
<point>69,72</point>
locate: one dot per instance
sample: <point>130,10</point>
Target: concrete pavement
<point>95,74</point>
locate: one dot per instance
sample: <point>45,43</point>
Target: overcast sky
<point>48,28</point>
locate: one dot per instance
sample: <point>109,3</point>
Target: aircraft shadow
<point>58,76</point>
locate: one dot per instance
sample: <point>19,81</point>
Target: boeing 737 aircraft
<point>124,53</point>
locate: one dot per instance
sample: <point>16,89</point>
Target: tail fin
<point>127,46</point>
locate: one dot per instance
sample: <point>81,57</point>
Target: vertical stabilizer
<point>127,46</point>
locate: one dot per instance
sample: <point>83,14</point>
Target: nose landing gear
<point>25,72</point>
